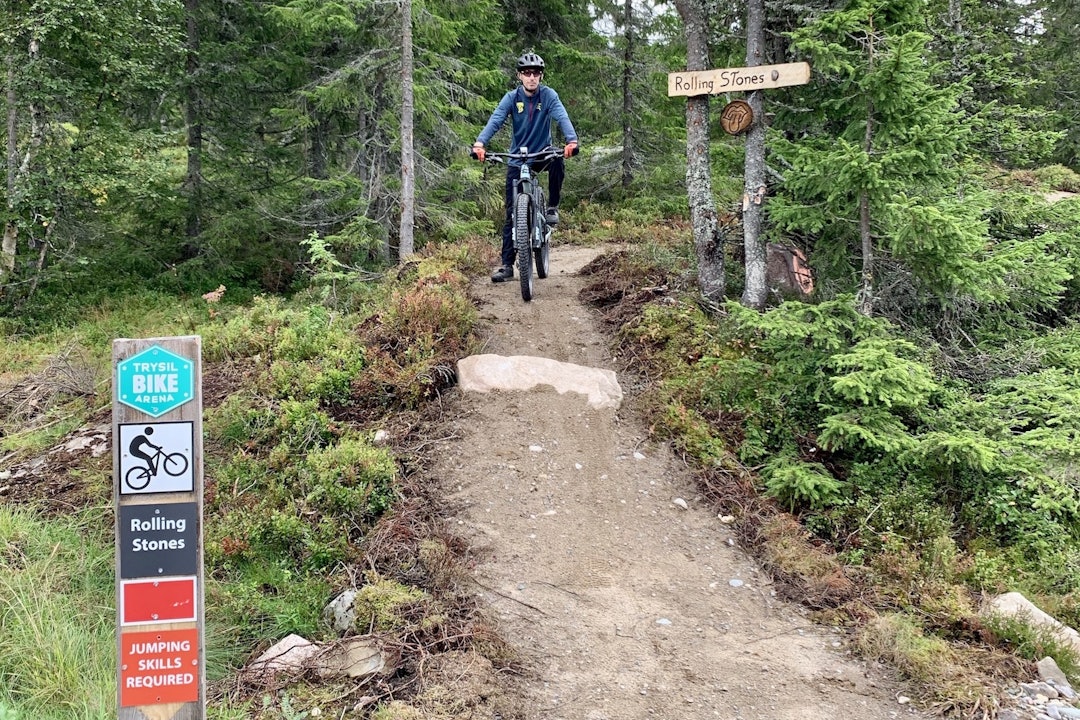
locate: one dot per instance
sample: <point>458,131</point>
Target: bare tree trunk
<point>956,22</point>
<point>37,137</point>
<point>318,169</point>
<point>45,244</point>
<point>628,100</point>
<point>755,292</point>
<point>10,229</point>
<point>408,161</point>
<point>707,245</point>
<point>193,120</point>
<point>866,291</point>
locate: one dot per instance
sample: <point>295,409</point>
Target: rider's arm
<point>558,112</point>
<point>497,119</point>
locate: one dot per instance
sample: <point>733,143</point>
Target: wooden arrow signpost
<point>745,116</point>
<point>743,79</point>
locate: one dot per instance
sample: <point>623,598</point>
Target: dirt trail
<point>624,604</point>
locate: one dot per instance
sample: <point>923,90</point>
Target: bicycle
<point>174,464</point>
<point>531,231</point>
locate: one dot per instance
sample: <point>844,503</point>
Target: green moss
<point>384,605</point>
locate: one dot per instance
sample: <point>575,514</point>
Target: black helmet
<point>530,60</point>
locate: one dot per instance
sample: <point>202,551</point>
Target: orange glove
<point>570,149</point>
<point>478,152</point>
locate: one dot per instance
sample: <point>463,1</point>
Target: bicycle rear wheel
<point>138,477</point>
<point>542,255</point>
<point>523,228</point>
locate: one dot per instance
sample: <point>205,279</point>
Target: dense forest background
<point>157,144</point>
<point>919,416</point>
<point>165,142</point>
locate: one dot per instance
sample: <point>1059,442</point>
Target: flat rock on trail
<point>622,591</point>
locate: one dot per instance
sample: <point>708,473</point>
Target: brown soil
<point>622,603</point>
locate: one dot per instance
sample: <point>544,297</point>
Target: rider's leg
<point>505,271</point>
<point>556,172</point>
<point>513,174</point>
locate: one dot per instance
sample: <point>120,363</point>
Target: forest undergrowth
<point>885,479</point>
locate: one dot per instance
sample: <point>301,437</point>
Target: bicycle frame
<point>530,229</point>
<point>528,184</point>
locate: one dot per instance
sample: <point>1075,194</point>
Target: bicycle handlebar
<point>549,153</point>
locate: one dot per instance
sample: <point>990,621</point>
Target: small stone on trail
<point>726,519</point>
<point>638,456</point>
<point>681,503</point>
<point>536,448</point>
<point>735,582</point>
<point>663,621</point>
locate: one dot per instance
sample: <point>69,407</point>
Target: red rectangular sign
<point>154,601</point>
<point>159,667</point>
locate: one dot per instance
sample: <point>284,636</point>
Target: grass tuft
<point>57,636</point>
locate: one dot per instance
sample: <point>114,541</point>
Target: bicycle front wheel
<point>523,229</point>
<point>175,464</point>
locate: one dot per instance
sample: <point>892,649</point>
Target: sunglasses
<point>530,72</point>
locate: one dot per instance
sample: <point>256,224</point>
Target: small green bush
<point>1058,177</point>
<point>1034,642</point>
<point>802,484</point>
<point>348,479</point>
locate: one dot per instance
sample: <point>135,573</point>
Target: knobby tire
<point>542,255</point>
<point>523,227</point>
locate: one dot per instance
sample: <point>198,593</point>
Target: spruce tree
<point>873,162</point>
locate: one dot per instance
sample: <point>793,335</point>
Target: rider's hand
<point>478,151</point>
<point>568,151</point>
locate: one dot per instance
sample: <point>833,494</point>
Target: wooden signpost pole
<point>157,493</point>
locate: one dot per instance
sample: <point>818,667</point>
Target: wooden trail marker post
<point>157,493</point>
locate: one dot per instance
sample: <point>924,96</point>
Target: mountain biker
<point>531,107</point>
<point>136,448</point>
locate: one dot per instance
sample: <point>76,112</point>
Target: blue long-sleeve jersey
<point>531,118</point>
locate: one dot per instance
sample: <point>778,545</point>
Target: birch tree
<point>755,291</point>
<point>75,73</point>
<point>408,162</point>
